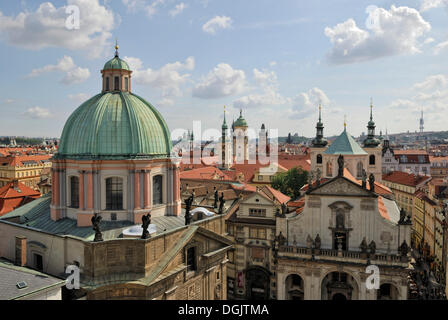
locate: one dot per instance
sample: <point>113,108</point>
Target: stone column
<point>81,190</point>
<point>53,178</point>
<point>176,190</point>
<point>90,191</point>
<point>147,189</point>
<point>56,188</point>
<point>136,190</point>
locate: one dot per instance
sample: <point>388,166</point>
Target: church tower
<point>318,145</point>
<point>240,139</point>
<point>372,146</point>
<point>225,145</point>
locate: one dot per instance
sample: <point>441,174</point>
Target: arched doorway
<point>339,297</point>
<point>387,291</point>
<point>294,287</point>
<point>257,283</point>
<point>339,286</point>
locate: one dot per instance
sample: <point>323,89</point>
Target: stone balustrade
<point>288,251</point>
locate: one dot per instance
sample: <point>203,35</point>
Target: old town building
<point>25,168</point>
<point>252,227</point>
<point>404,185</point>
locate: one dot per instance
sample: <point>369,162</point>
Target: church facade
<point>345,228</point>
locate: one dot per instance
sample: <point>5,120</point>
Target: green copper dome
<point>240,122</point>
<point>116,63</point>
<point>115,125</point>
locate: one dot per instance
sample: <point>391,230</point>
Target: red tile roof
<point>205,173</point>
<point>405,178</point>
<point>15,194</point>
<point>280,197</point>
<point>19,161</point>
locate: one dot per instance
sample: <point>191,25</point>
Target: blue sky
<point>277,60</point>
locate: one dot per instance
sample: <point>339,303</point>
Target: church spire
<point>371,141</point>
<point>319,141</point>
<point>116,47</point>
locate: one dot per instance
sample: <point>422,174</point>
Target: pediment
<point>341,186</point>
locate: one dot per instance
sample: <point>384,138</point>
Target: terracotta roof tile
<point>405,178</point>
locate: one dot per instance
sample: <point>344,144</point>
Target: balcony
<point>294,252</point>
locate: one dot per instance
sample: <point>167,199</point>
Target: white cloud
<point>8,101</point>
<point>429,95</point>
<point>306,103</point>
<point>269,98</point>
<point>73,74</point>
<point>432,82</point>
<point>440,47</point>
<point>37,113</point>
<point>222,81</point>
<point>432,4</point>
<point>216,23</point>
<point>264,77</point>
<point>178,9</point>
<point>272,63</point>
<point>165,102</point>
<point>393,32</point>
<point>168,78</point>
<point>142,5</point>
<point>46,27</point>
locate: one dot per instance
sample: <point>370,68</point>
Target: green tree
<point>290,182</point>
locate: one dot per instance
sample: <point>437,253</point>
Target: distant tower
<point>240,127</point>
<point>226,145</point>
<point>422,122</point>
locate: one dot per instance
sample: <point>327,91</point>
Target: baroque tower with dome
<point>115,210</point>
<point>114,158</point>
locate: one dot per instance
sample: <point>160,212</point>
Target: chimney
<point>20,251</point>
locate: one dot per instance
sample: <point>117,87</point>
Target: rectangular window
<point>253,233</point>
<point>191,259</point>
<point>126,83</point>
<point>74,190</point>
<point>114,194</point>
<point>257,212</point>
<point>107,84</point>
<point>261,233</point>
<point>157,194</point>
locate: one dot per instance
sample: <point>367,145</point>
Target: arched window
<point>319,159</point>
<point>107,84</point>
<point>157,194</point>
<point>74,192</point>
<point>329,169</point>
<point>372,160</point>
<point>114,193</point>
<point>117,83</point>
<point>359,169</point>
